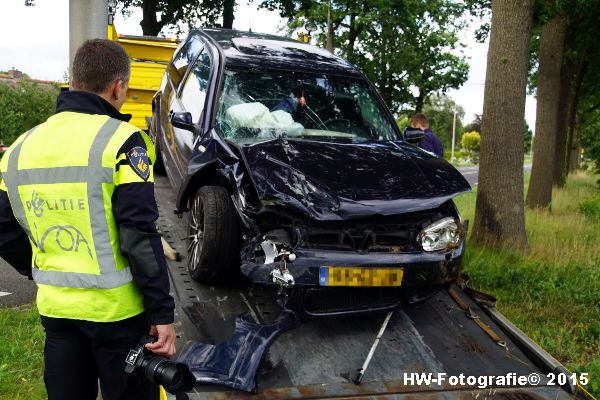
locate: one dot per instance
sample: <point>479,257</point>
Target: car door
<point>169,103</point>
<point>191,98</point>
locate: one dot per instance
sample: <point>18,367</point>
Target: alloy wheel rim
<point>196,234</point>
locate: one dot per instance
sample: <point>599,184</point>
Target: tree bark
<point>329,45</point>
<point>150,25</point>
<point>573,148</point>
<point>561,132</point>
<point>552,42</point>
<point>419,102</point>
<point>574,153</point>
<point>228,10</point>
<point>499,209</point>
<point>352,35</point>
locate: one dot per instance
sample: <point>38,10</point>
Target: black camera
<point>173,376</point>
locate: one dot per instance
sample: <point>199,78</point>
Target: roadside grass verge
<point>21,354</point>
<point>552,293</point>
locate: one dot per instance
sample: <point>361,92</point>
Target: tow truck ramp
<point>320,358</point>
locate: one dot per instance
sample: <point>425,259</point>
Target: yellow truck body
<point>149,58</point>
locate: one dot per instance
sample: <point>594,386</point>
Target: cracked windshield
<point>265,105</point>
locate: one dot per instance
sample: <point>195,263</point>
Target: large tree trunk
<point>352,35</point>
<point>573,148</point>
<point>499,210</point>
<point>150,25</point>
<point>552,42</point>
<point>574,153</point>
<point>562,116</point>
<point>329,45</point>
<point>420,101</point>
<point>228,9</point>
<point>574,145</point>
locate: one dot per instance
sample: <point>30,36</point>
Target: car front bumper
<point>422,272</point>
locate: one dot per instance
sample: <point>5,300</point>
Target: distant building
<point>14,76</point>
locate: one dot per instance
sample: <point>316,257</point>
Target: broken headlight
<point>444,234</point>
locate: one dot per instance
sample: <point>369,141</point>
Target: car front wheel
<point>213,237</point>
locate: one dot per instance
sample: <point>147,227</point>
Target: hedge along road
<point>16,289</point>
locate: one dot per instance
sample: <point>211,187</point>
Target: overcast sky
<point>35,40</point>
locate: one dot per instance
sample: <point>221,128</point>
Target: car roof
<point>259,50</point>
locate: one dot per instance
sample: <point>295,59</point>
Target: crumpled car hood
<point>333,181</point>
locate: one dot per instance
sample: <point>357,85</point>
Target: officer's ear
<point>119,89</point>
<point>118,93</point>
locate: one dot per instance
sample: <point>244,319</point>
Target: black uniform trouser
<point>78,353</point>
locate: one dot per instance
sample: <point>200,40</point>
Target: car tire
<point>213,237</point>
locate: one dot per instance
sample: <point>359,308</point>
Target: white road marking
<point>4,294</point>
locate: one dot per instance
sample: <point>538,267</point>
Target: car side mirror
<point>182,120</point>
<point>413,135</point>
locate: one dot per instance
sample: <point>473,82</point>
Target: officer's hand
<point>165,345</point>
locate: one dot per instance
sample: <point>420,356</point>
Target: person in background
<point>430,142</point>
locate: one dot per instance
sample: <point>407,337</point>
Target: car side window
<point>193,93</point>
<point>188,53</point>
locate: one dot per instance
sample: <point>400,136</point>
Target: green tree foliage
<point>589,133</point>
<point>527,138</point>
<point>580,45</point>
<point>403,122</point>
<point>408,48</point>
<point>586,126</point>
<point>439,110</point>
<point>160,13</point>
<point>24,105</point>
<point>474,125</point>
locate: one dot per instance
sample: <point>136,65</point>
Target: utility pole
<point>453,136</point>
<point>87,20</point>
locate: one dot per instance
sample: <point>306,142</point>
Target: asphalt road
<point>16,289</point>
<point>472,173</point>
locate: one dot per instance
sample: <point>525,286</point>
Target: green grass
<point>553,292</point>
<point>21,354</point>
<point>590,208</point>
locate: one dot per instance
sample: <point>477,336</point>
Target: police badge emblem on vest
<point>138,158</point>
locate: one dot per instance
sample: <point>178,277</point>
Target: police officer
<point>77,214</point>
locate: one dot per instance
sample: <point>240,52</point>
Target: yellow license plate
<point>355,276</point>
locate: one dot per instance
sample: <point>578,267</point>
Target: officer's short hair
<point>420,119</point>
<point>97,64</point>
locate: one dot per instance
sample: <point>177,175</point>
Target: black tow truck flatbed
<point>320,358</point>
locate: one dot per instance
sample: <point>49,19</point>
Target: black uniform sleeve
<point>14,244</point>
<point>135,212</point>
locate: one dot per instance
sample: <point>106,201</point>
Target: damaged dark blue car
<point>294,173</point>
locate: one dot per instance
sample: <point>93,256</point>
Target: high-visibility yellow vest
<point>60,177</point>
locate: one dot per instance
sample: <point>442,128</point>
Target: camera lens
<point>173,376</point>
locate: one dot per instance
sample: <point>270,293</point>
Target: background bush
<point>24,105</point>
<point>471,141</point>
